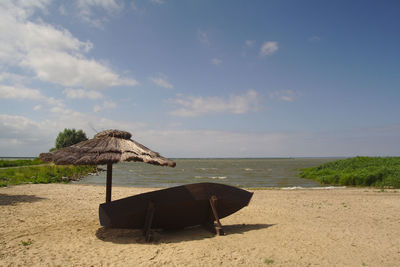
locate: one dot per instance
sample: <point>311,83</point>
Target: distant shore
<point>57,224</point>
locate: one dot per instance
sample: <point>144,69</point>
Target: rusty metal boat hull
<point>174,208</point>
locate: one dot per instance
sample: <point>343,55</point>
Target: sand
<point>57,224</point>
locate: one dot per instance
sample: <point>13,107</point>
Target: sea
<point>241,172</point>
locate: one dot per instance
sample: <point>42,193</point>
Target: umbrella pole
<point>109,182</point>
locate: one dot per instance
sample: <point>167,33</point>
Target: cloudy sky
<point>203,78</point>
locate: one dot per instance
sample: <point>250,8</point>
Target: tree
<point>69,137</point>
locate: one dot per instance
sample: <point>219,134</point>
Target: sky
<point>228,78</point>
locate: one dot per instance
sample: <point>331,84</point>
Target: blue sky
<point>203,78</point>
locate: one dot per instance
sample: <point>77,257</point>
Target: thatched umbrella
<point>106,147</point>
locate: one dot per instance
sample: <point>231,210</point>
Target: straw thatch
<point>109,146</point>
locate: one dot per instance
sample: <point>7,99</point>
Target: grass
<point>383,172</point>
<point>268,261</point>
<point>27,243</point>
<point>43,174</point>
<point>19,162</point>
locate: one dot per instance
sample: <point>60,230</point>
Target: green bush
<point>19,162</point>
<point>43,174</point>
<point>358,171</point>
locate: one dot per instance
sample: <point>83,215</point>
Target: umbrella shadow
<point>242,228</point>
<point>130,236</point>
<point>7,200</point>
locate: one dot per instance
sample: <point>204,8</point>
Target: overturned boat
<point>175,208</point>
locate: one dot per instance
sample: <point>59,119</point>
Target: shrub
<point>43,174</point>
<point>19,162</point>
<point>358,171</point>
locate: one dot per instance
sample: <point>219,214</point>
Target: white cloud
<point>203,37</point>
<point>162,81</point>
<point>86,7</point>
<point>216,61</point>
<point>13,78</point>
<point>62,10</point>
<point>314,39</point>
<point>61,110</point>
<point>22,93</point>
<point>68,70</point>
<point>192,106</point>
<point>157,2</point>
<point>80,93</point>
<point>21,136</point>
<point>20,37</point>
<point>250,43</point>
<point>37,107</point>
<point>105,105</point>
<point>109,104</point>
<point>53,54</point>
<point>16,126</point>
<point>284,95</point>
<point>268,48</point>
<point>108,5</point>
<point>11,92</point>
<point>24,9</point>
<point>97,108</point>
<point>215,143</point>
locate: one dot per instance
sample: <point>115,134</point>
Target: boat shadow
<point>130,236</point>
<point>9,200</point>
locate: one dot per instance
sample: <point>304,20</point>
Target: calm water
<point>251,173</point>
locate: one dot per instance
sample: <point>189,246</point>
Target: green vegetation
<point>27,243</point>
<point>69,137</point>
<point>43,174</point>
<point>19,162</point>
<point>268,261</point>
<point>358,171</point>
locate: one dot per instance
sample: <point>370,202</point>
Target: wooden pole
<point>109,182</point>
<point>213,204</point>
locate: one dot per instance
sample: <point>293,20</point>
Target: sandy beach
<point>57,225</point>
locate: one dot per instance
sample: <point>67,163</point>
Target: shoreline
<point>57,224</point>
<point>322,187</point>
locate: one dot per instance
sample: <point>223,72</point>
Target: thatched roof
<point>109,146</point>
